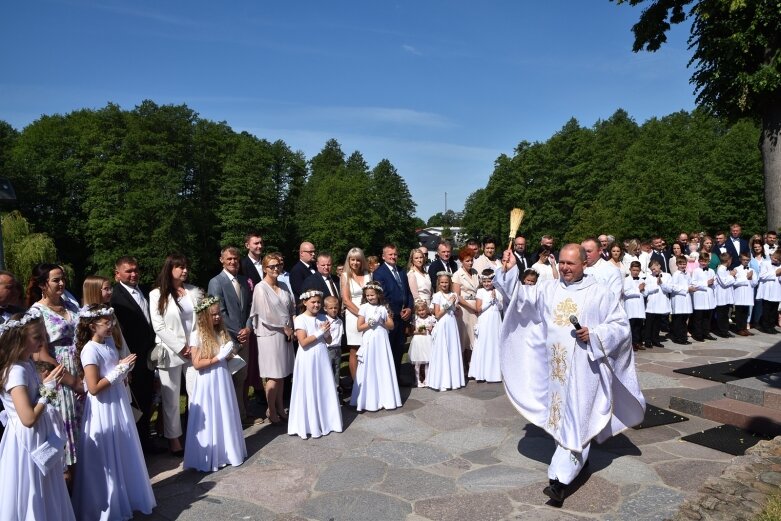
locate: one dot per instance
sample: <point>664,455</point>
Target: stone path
<point>463,454</point>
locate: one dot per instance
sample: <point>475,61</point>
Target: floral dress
<point>62,339</point>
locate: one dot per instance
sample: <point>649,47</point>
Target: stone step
<point>753,418</point>
<point>690,401</point>
<point>763,390</point>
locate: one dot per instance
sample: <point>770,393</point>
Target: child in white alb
<point>634,304</point>
<point>331,308</point>
<point>745,282</point>
<point>703,299</point>
<point>657,303</point>
<point>724,294</point>
<point>420,345</point>
<point>485,364</point>
<point>680,302</point>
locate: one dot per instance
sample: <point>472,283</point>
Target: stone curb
<point>742,490</point>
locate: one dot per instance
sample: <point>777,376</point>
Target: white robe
<point>574,391</point>
<point>607,275</point>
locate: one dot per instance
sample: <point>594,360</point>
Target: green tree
<point>394,210</point>
<point>24,248</point>
<point>737,60</point>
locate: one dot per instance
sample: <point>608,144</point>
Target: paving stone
<point>621,470</point>
<point>484,506</point>
<point>481,457</point>
<point>398,428</point>
<point>280,488</point>
<point>405,455</point>
<point>532,452</point>
<point>452,468</point>
<point>498,477</point>
<point>653,454</point>
<point>350,473</point>
<point>501,407</point>
<point>688,475</point>
<point>414,484</point>
<point>650,503</point>
<point>462,404</point>
<point>469,439</point>
<point>301,452</point>
<point>211,508</point>
<point>441,418</point>
<point>549,514</point>
<point>641,437</point>
<point>684,449</point>
<point>652,380</point>
<point>594,495</point>
<point>355,506</point>
<point>483,390</point>
<point>721,352</point>
<point>352,438</point>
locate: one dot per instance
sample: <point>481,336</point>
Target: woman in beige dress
<point>419,281</point>
<point>465,286</point>
<point>272,317</point>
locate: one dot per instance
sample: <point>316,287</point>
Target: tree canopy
<point>159,178</point>
<point>736,58</point>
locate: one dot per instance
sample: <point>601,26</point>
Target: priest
<point>567,362</point>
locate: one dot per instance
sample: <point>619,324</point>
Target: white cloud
<point>412,50</point>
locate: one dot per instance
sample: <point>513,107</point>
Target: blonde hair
<point>92,291</point>
<point>212,338</point>
<point>354,253</point>
<point>13,344</point>
<point>411,265</point>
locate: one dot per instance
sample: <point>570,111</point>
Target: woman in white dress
<point>545,266</point>
<point>354,278</point>
<point>616,258</point>
<point>272,317</point>
<point>419,281</point>
<point>29,490</point>
<point>214,434</point>
<point>112,480</point>
<point>376,386</point>
<point>314,404</point>
<point>446,368</point>
<point>485,364</point>
<point>171,306</point>
<point>465,286</point>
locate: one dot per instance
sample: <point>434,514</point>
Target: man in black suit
<point>443,262</point>
<point>233,290</point>
<point>303,269</point>
<point>252,265</point>
<point>736,245</point>
<point>522,258</point>
<point>322,279</point>
<point>131,308</point>
<point>398,297</point>
<point>8,305</point>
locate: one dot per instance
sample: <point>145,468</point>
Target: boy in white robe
<point>634,304</point>
<point>770,292</point>
<point>578,383</point>
<point>724,294</point>
<point>680,301</point>
<point>745,282</point>
<point>703,299</point>
<point>657,303</point>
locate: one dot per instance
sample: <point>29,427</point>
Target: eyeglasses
<point>309,251</point>
<point>274,267</point>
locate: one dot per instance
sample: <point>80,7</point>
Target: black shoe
<point>657,344</point>
<point>555,490</point>
<point>698,339</point>
<point>648,346</point>
<point>710,337</point>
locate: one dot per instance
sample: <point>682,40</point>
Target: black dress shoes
<point>556,491</point>
<point>710,337</point>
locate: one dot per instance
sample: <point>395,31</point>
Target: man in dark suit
<point>252,265</point>
<point>131,307</point>
<point>233,290</point>
<point>736,245</point>
<point>443,262</point>
<point>322,279</point>
<point>659,253</point>
<point>522,258</point>
<point>398,297</point>
<point>302,269</point>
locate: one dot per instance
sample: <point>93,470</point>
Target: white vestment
<point>574,391</point>
<point>607,275</point>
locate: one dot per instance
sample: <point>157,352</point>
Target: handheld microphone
<point>574,320</point>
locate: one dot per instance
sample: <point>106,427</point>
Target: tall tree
<point>394,208</point>
<point>737,61</point>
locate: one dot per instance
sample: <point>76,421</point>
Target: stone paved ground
<point>463,454</point>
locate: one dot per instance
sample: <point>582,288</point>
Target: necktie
<point>236,288</point>
<point>332,287</point>
<point>396,276</point>
<point>139,298</point>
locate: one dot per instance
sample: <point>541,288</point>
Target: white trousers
<point>565,465</point>
<point>171,385</point>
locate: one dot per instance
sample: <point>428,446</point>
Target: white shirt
<point>138,296</point>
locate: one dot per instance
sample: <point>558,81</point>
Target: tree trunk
<point>771,161</point>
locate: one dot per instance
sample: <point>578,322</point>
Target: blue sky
<point>440,87</point>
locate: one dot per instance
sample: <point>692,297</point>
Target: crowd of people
<point>79,380</point>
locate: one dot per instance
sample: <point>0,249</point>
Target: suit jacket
<point>525,257</point>
<point>664,259</point>
<point>397,297</point>
<point>169,328</point>
<point>317,282</point>
<point>248,269</point>
<point>298,274</point>
<point>138,333</point>
<point>736,254</point>
<point>437,266</point>
<point>235,314</point>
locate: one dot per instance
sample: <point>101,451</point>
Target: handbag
<point>137,413</point>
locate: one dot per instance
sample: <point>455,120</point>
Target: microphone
<point>574,320</point>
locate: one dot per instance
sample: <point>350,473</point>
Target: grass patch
<point>772,511</point>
